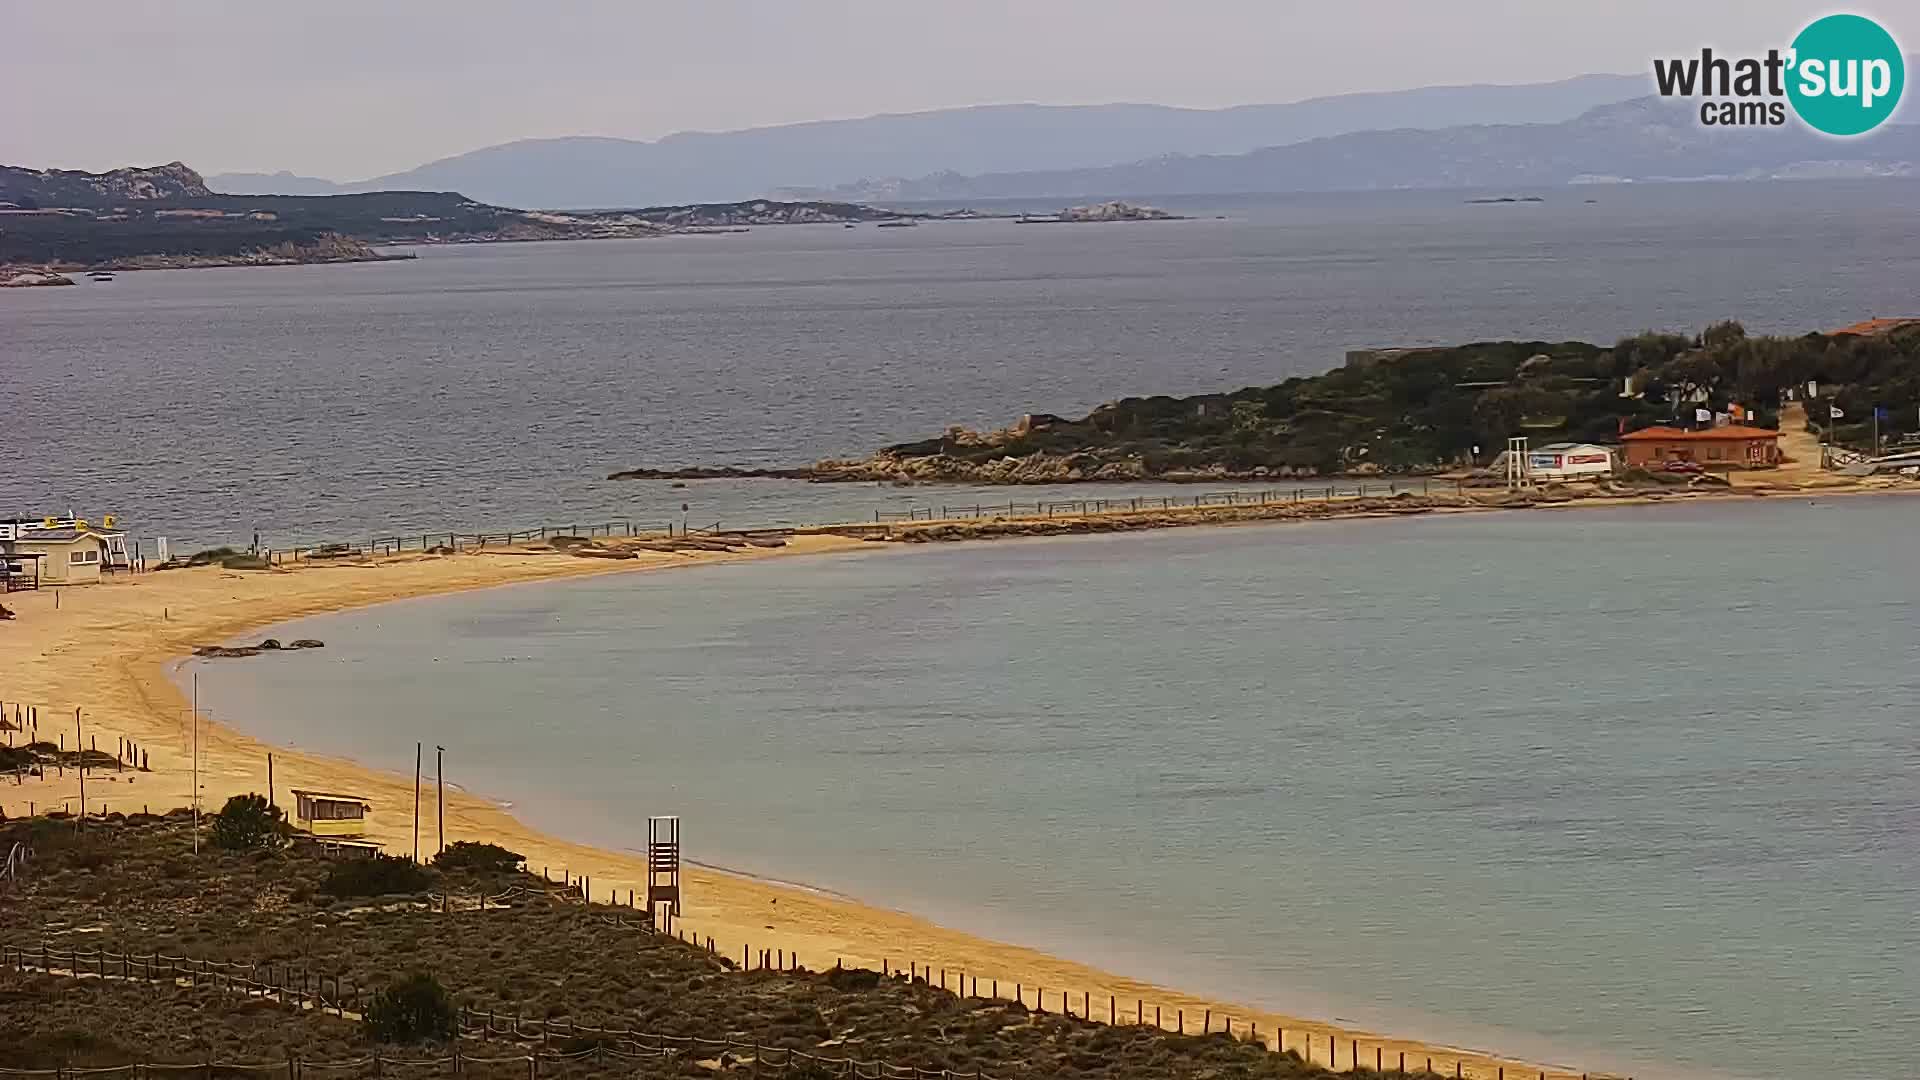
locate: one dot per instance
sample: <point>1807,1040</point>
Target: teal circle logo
<point>1847,75</point>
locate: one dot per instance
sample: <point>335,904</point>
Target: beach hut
<point>73,551</point>
<point>328,814</point>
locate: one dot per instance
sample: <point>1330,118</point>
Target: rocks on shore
<point>268,645</point>
<point>26,279</point>
<point>587,548</point>
<point>1035,468</point>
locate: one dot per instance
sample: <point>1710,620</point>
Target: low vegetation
<point>1413,410</point>
<point>485,859</point>
<point>415,1009</point>
<point>248,822</point>
<point>136,886</point>
<point>375,875</point>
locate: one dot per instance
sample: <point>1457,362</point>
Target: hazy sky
<point>348,89</point>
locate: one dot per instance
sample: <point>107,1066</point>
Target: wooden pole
<point>416,802</point>
<point>79,745</point>
<point>270,803</point>
<point>440,791</point>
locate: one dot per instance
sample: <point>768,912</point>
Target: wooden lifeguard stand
<point>663,866</point>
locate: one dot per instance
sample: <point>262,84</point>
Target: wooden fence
<point>454,540</point>
<point>1076,507</point>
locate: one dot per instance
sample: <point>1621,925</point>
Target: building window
<point>1713,452</point>
<point>78,558</point>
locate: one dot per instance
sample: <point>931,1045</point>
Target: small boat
<point>99,275</point>
<point>898,223</point>
<point>849,225</point>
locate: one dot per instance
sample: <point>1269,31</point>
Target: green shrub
<point>478,858</point>
<point>416,1009</point>
<point>375,875</point>
<point>247,822</point>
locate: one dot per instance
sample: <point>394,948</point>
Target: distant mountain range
<point>1643,139</point>
<point>700,166</point>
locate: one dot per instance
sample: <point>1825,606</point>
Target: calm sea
<point>496,386</point>
<point>1633,788</point>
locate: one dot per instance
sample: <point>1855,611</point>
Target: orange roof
<point>1876,326</point>
<point>1716,434</point>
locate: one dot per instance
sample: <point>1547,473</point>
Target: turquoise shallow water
<point>1633,788</point>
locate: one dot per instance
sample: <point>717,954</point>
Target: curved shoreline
<point>819,925</point>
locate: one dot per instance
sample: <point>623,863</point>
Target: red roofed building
<point>1731,447</point>
<point>1873,327</point>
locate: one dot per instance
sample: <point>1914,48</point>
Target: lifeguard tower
<point>663,867</point>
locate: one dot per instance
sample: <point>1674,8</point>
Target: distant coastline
<point>165,217</point>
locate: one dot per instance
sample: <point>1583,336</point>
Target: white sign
<point>9,531</point>
<point>1702,415</point>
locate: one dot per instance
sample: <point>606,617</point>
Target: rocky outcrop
<point>25,279</point>
<point>268,645</point>
<point>33,189</point>
<point>714,472</point>
<point>328,248</point>
<point>1111,211</point>
<point>892,467</point>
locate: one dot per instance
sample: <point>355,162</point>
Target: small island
<point>1106,211</point>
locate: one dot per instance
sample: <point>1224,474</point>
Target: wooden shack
<point>329,814</point>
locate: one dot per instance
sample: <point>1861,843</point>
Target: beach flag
<point>1702,416</point>
<point>1880,412</point>
<point>1734,410</point>
<point>1833,411</point>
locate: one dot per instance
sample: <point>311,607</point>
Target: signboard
<point>9,531</point>
<point>1587,459</point>
<point>1543,461</point>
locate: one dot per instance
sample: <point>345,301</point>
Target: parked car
<point>1678,466</point>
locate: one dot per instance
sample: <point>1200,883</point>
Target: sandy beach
<point>105,650</point>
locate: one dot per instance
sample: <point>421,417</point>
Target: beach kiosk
<point>324,814</point>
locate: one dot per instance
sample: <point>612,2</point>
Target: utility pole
<point>440,791</point>
<point>196,763</point>
<point>416,802</point>
<point>270,803</point>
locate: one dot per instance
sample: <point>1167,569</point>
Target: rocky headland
<point>1415,411</point>
<point>166,217</point>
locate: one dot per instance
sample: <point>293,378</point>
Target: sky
<point>350,89</point>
